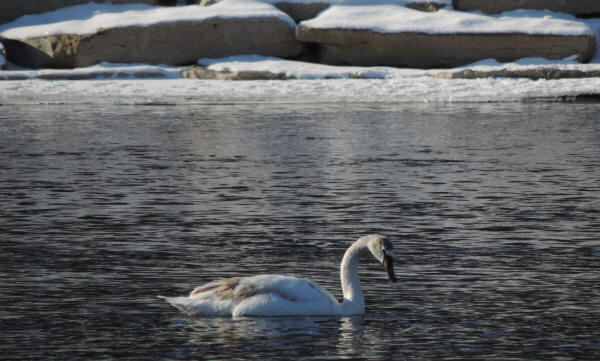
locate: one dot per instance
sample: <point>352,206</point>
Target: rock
<point>369,48</point>
<point>54,74</point>
<point>75,76</point>
<point>201,72</point>
<point>575,7</point>
<point>585,98</point>
<point>2,57</point>
<point>8,76</point>
<point>429,6</point>
<point>12,9</point>
<point>533,73</point>
<point>169,42</point>
<point>107,74</point>
<point>301,11</point>
<point>296,10</point>
<point>421,40</point>
<point>226,73</point>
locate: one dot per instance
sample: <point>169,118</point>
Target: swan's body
<point>279,295</point>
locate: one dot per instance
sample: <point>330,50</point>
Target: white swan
<point>278,295</point>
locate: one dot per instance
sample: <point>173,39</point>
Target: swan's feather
<point>226,289</point>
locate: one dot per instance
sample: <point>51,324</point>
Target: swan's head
<point>382,249</point>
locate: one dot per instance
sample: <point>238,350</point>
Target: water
<point>494,211</point>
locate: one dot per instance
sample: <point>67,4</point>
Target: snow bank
<point>89,18</point>
<point>393,18</point>
<point>318,83</point>
<point>302,70</point>
<point>569,63</point>
<point>103,70</point>
<point>356,2</point>
<point>294,69</point>
<point>414,88</point>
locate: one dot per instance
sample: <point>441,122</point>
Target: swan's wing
<point>276,295</point>
<point>225,289</point>
<point>289,288</point>
<point>268,295</point>
<point>319,289</point>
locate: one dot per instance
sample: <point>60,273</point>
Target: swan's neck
<point>354,302</point>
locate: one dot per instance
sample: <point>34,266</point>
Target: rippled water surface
<point>494,211</point>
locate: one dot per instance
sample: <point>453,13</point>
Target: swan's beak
<point>388,264</point>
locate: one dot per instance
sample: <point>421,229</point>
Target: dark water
<point>494,211</point>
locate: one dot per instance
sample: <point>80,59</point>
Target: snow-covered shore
<point>134,83</point>
<point>313,83</point>
<point>316,84</point>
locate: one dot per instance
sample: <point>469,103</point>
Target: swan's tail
<point>183,304</point>
<point>195,307</point>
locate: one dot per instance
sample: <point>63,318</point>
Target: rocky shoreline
<point>204,73</point>
<point>321,32</point>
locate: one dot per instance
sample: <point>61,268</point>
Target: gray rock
<point>171,43</point>
<point>8,76</point>
<point>429,6</point>
<point>534,73</point>
<point>295,10</point>
<point>201,72</point>
<point>107,74</point>
<point>69,75</point>
<point>301,11</point>
<point>576,7</point>
<point>2,57</point>
<point>368,48</point>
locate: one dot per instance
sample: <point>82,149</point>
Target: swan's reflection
<point>306,335</point>
<point>350,331</point>
<point>274,331</point>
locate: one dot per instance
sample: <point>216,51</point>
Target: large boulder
<point>576,7</point>
<point>397,36</point>
<point>2,57</point>
<point>172,36</point>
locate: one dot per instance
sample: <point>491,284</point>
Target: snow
<point>294,69</point>
<point>394,18</point>
<point>569,63</point>
<point>378,16</point>
<point>356,2</point>
<point>116,83</point>
<point>391,85</point>
<point>89,18</point>
<point>103,70</point>
<point>398,90</point>
<point>302,70</point>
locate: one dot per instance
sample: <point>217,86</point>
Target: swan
<point>283,295</point>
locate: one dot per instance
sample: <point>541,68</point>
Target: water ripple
<point>493,210</point>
